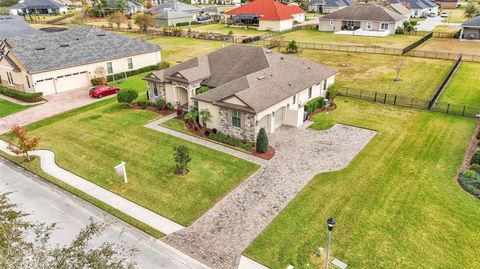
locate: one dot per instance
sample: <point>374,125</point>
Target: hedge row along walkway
<point>220,236</point>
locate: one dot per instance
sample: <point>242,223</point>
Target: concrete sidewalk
<point>47,163</point>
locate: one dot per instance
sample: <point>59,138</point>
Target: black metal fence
<point>444,55</point>
<point>294,28</point>
<point>410,102</point>
<point>434,34</point>
<point>417,43</point>
<point>445,82</point>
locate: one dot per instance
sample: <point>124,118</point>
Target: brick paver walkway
<point>220,236</point>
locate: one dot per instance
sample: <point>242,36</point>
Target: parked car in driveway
<point>444,14</point>
<point>102,90</point>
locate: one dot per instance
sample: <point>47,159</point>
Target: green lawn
<point>91,140</point>
<point>376,72</point>
<point>177,125</point>
<point>446,29</point>
<point>7,108</point>
<point>179,49</point>
<point>223,29</point>
<point>464,88</point>
<point>314,36</point>
<point>451,45</point>
<point>397,205</point>
<point>455,15</point>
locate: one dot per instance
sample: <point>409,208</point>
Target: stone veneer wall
<point>247,132</point>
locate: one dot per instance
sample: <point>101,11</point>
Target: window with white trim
<point>10,78</point>
<point>384,26</point>
<point>236,118</point>
<point>369,25</point>
<point>109,68</point>
<point>130,63</point>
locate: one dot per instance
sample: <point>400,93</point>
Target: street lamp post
<point>330,223</point>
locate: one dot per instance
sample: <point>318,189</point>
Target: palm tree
<point>204,116</point>
<point>191,117</point>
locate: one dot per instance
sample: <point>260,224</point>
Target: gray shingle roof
<point>473,22</point>
<point>364,12</point>
<point>400,9</point>
<point>73,47</point>
<point>172,5</point>
<point>171,14</point>
<point>15,26</point>
<point>258,77</point>
<point>330,3</point>
<point>38,4</point>
<point>418,4</point>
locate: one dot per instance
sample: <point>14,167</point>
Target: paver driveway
<point>220,236</point>
<point>56,104</point>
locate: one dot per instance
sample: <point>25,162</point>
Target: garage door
<point>263,123</point>
<point>278,118</point>
<point>45,85</point>
<point>73,81</point>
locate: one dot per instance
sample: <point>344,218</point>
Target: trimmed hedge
<point>314,104</point>
<point>226,139</point>
<point>96,81</point>
<point>162,65</point>
<point>470,181</point>
<point>24,96</point>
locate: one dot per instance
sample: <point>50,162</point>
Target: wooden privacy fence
<point>410,102</point>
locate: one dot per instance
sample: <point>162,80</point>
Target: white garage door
<point>278,118</point>
<point>45,85</point>
<point>72,81</point>
<point>263,123</point>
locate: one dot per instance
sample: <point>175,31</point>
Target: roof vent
<point>260,77</point>
<point>102,34</point>
<point>64,45</point>
<point>40,48</point>
<point>281,58</point>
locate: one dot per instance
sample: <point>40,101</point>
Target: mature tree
<point>121,4</point>
<point>398,68</point>
<point>25,143</point>
<point>204,116</point>
<point>7,3</point>
<point>472,10</point>
<point>127,96</point>
<point>143,21</point>
<point>262,141</point>
<point>26,244</point>
<point>292,47</point>
<point>182,158</point>
<point>117,18</point>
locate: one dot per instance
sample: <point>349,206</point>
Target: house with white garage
<point>419,8</point>
<point>249,88</point>
<point>62,61</point>
<point>327,6</point>
<point>24,7</point>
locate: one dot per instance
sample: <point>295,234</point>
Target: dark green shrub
<point>470,181</point>
<point>202,90</point>
<point>96,81</point>
<point>475,158</point>
<point>127,96</point>
<point>133,72</point>
<point>170,107</point>
<point>182,158</point>
<point>163,65</point>
<point>469,174</point>
<point>475,167</point>
<point>314,104</point>
<point>478,136</point>
<point>24,96</point>
<point>160,103</point>
<point>262,141</point>
<point>226,139</point>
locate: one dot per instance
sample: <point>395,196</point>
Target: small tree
<point>127,96</point>
<point>471,10</point>
<point>143,21</point>
<point>398,68</point>
<point>117,18</point>
<point>101,73</point>
<point>191,117</point>
<point>262,141</point>
<point>292,47</point>
<point>182,158</point>
<point>25,143</point>
<point>204,116</point>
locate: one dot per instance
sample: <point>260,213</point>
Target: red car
<point>103,90</point>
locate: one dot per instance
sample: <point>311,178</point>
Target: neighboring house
<point>447,4</point>
<point>266,15</point>
<point>131,7</point>
<point>400,9</point>
<point>251,88</point>
<point>471,29</point>
<point>327,6</point>
<point>38,7</point>
<point>62,61</point>
<point>362,19</point>
<point>15,26</point>
<point>173,12</point>
<point>418,8</point>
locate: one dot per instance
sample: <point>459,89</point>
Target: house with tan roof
<point>250,88</point>
<point>364,20</point>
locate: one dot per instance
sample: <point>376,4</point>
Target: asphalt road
<point>48,203</point>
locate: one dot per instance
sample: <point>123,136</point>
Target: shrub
<point>292,47</point>
<point>182,158</point>
<point>202,90</point>
<point>475,158</point>
<point>470,182</point>
<point>478,135</point>
<point>469,174</point>
<point>96,81</point>
<point>127,96</point>
<point>475,167</point>
<point>136,71</point>
<point>226,139</point>
<point>170,107</point>
<point>314,104</point>
<point>163,65</point>
<point>24,96</point>
<point>160,103</point>
<point>262,141</point>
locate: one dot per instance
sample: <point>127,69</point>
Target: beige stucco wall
<point>275,25</point>
<point>214,115</point>
<point>234,100</point>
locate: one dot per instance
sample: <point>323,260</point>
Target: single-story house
<point>362,19</point>
<point>250,88</point>
<point>327,6</point>
<point>38,7</point>
<point>173,12</point>
<point>400,9</point>
<point>15,26</point>
<point>62,61</point>
<point>266,15</point>
<point>447,4</point>
<point>471,29</point>
<point>131,7</point>
<point>418,8</point>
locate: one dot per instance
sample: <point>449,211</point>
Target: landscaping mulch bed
<point>267,155</point>
<point>331,107</point>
